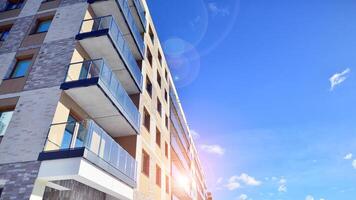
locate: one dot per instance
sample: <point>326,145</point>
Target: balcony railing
<point>99,69</point>
<point>108,23</point>
<point>90,136</point>
<point>125,9</point>
<point>141,12</point>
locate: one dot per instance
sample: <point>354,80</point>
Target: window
<point>159,106</point>
<point>4,34</point>
<point>5,118</point>
<point>148,86</point>
<point>11,5</point>
<point>147,119</point>
<point>167,184</point>
<point>158,137</point>
<point>1,191</point>
<point>152,36</point>
<point>167,121</point>
<point>159,79</point>
<point>166,74</point>
<point>158,176</point>
<point>160,57</point>
<point>166,149</point>
<point>21,68</point>
<point>145,163</point>
<point>43,26</point>
<point>149,56</point>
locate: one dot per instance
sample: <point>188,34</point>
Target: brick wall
<point>19,179</point>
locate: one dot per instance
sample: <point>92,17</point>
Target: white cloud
<point>322,199</point>
<point>282,188</point>
<point>248,180</point>
<point>213,149</point>
<point>282,185</point>
<point>216,10</point>
<point>220,179</point>
<point>354,164</point>
<point>338,78</point>
<point>232,185</point>
<point>195,134</point>
<point>243,197</point>
<point>348,156</point>
<point>309,197</point>
<point>235,182</point>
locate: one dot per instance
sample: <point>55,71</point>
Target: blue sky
<point>255,79</point>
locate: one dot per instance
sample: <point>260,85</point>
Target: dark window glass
<point>68,133</point>
<point>21,68</point>
<point>166,95</point>
<point>1,191</point>
<point>158,176</point>
<point>149,56</point>
<point>73,127</point>
<point>159,107</point>
<point>4,34</point>
<point>160,57</point>
<point>167,184</point>
<point>166,149</point>
<point>158,137</point>
<point>43,26</point>
<point>166,121</point>
<point>145,163</point>
<point>159,79</point>
<point>147,119</point>
<point>152,36</point>
<point>11,5</point>
<point>148,86</point>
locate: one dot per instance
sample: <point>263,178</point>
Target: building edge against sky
<point>88,107</point>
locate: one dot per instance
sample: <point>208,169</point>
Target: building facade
<point>88,108</point>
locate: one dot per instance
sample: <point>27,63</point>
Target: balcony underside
<point>83,171</point>
<point>99,45</point>
<point>111,7</point>
<point>93,97</point>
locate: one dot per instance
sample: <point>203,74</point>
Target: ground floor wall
<point>78,191</point>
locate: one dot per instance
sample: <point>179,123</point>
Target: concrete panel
<point>28,128</point>
<point>7,59</point>
<point>30,8</point>
<point>66,22</point>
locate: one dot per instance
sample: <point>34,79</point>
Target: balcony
<point>120,10</point>
<point>95,88</point>
<point>139,14</point>
<point>84,152</point>
<point>102,38</point>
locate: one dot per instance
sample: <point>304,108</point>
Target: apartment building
<point>87,105</point>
